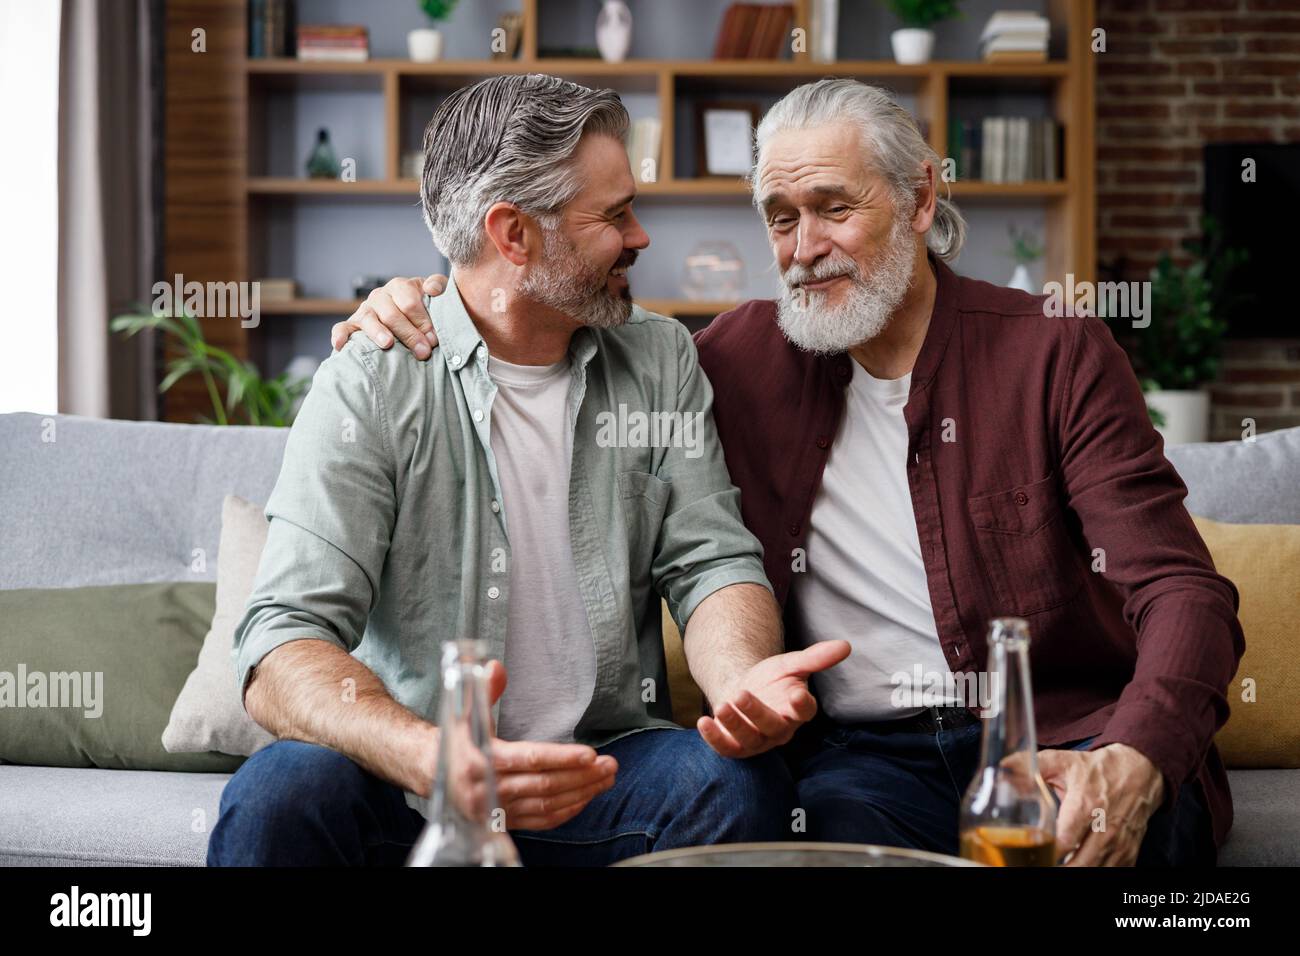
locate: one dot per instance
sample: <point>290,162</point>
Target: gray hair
<point>508,139</point>
<point>894,145</point>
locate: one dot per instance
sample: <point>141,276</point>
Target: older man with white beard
<point>920,453</point>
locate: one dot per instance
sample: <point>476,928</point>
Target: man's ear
<point>926,199</point>
<point>510,231</point>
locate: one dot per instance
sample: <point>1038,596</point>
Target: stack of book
<point>753,31</point>
<point>643,144</point>
<point>277,290</point>
<point>1006,149</point>
<point>341,44</point>
<point>270,25</point>
<point>1015,36</point>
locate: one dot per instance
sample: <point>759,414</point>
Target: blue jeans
<point>298,804</point>
<point>865,784</point>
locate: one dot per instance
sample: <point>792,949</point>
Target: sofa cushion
<point>209,713</point>
<point>1244,482</point>
<point>58,816</point>
<point>1263,561</point>
<point>1266,819</point>
<point>89,675</point>
<point>90,502</point>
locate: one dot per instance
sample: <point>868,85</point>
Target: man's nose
<point>636,238</point>
<point>811,241</point>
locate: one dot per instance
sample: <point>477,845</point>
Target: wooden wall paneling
<point>204,167</point>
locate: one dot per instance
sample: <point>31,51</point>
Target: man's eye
<point>780,222</point>
<point>838,210</point>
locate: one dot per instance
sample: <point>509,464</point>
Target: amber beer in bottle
<point>1008,817</point>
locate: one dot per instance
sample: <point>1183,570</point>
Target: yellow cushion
<point>1263,560</point>
<point>687,698</point>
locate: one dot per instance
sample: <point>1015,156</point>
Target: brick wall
<point>1178,74</point>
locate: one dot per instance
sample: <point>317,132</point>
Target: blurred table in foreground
<point>794,854</point>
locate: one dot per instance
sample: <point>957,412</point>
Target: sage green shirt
<point>387,524</point>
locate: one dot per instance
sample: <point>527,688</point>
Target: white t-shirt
<point>865,579</point>
<point>549,658</point>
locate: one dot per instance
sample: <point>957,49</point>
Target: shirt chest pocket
<point>645,501</point>
<point>1026,547</point>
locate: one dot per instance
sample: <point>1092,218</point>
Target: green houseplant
<point>1026,249</point>
<point>248,397</point>
<point>425,44</point>
<point>1178,354</point>
<point>915,41</point>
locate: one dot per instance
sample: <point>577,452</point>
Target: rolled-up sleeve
<point>331,518</point>
<point>703,545</point>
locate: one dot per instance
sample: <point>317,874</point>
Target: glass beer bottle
<point>1008,816</point>
<point>466,825</point>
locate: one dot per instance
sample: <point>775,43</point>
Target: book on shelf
<point>642,145</point>
<point>753,31</point>
<point>341,44</point>
<point>270,28</point>
<point>1015,36</point>
<point>1006,149</point>
<point>277,290</point>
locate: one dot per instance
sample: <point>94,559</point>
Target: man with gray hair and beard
<point>469,498</point>
<point>920,453</point>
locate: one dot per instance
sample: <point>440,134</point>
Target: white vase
<point>912,45</point>
<point>1186,413</point>
<point>424,45</point>
<point>1020,280</point>
<point>614,31</point>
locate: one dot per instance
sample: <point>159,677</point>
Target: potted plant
<point>915,41</point>
<point>249,398</point>
<point>425,44</point>
<point>1178,354</point>
<point>1026,249</point>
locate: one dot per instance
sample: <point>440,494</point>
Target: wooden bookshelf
<point>216,196</point>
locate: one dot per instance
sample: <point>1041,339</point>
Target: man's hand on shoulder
<point>395,312</point>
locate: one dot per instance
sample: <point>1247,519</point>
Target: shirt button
<point>494,592</point>
<point>478,414</point>
<point>794,531</point>
<point>455,361</point>
<point>496,506</point>
<point>823,441</point>
<point>1022,498</point>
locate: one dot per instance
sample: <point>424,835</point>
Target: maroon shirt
<point>1054,456</point>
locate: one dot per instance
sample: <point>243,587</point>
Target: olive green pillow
<point>88,676</point>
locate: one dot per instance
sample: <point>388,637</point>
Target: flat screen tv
<point>1261,217</point>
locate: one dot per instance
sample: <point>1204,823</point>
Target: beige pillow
<point>1263,561</point>
<point>208,714</point>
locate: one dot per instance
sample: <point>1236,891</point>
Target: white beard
<point>565,281</point>
<point>810,323</point>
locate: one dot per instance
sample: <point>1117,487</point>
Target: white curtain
<point>106,232</point>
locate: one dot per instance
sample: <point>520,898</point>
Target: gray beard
<point>810,323</point>
<point>565,281</point>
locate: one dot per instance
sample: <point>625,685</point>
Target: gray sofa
<point>122,502</point>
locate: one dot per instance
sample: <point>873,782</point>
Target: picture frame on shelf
<point>724,136</point>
